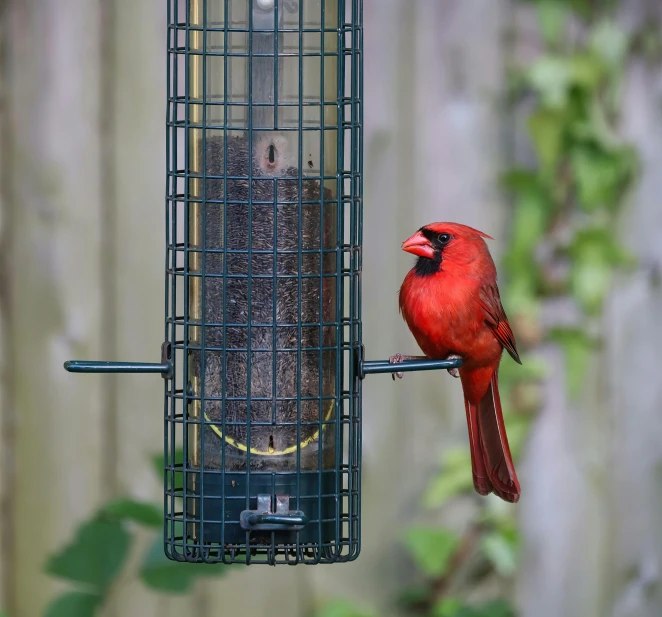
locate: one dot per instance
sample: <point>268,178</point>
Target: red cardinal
<point>450,301</point>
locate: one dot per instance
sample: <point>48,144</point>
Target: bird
<point>451,303</point>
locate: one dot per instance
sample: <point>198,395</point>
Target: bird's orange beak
<point>419,245</point>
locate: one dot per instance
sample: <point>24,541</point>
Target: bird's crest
<point>456,228</point>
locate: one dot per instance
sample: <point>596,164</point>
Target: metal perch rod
<point>366,367</point>
<point>369,367</point>
<point>97,366</point>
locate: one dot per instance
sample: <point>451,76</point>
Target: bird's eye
<point>444,238</point>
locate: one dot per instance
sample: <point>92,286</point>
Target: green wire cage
<point>263,357</point>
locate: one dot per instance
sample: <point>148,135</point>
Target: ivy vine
<point>562,246</point>
<point>94,561</point>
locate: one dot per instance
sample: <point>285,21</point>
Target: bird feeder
<point>263,357</point>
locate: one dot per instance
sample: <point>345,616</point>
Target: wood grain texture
<point>55,292</point>
<point>135,136</point>
<point>431,154</point>
<point>6,404</point>
<point>82,198</point>
<point>591,521</point>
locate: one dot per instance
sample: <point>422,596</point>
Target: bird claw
<point>453,371</point>
<point>397,358</point>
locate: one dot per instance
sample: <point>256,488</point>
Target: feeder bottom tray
<point>313,528</point>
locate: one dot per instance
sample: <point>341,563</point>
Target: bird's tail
<point>492,464</point>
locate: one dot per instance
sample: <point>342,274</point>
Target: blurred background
<point>539,123</point>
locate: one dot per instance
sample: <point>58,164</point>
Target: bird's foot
<point>453,371</point>
<point>397,358</point>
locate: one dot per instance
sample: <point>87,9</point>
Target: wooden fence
<point>82,139</point>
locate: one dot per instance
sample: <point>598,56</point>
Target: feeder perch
<point>263,358</point>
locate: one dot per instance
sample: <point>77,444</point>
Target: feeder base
<point>318,503</point>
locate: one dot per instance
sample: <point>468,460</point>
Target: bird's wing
<point>495,318</point>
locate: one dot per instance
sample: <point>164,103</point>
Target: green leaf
<point>602,240</point>
<point>601,176</point>
<point>549,75</point>
<point>175,479</point>
<point>138,511</point>
<point>530,217</point>
<point>592,126</point>
<point>74,604</point>
<point>649,41</point>
<point>447,485</point>
<point>175,577</point>
<point>552,15</point>
<point>496,608</point>
<point>546,128</point>
<point>341,608</point>
<point>454,478</point>
<point>497,515</point>
<point>431,548</point>
<point>95,556</point>
<point>159,462</point>
<point>452,607</point>
<point>520,296</point>
<point>532,369</point>
<point>520,181</point>
<point>501,550</point>
<point>582,7</point>
<point>529,223</point>
<point>609,42</point>
<point>577,348</point>
<point>414,595</point>
<point>554,76</point>
<point>585,70</point>
<point>595,253</point>
<point>590,279</point>
<point>577,356</point>
<point>518,427</point>
<point>589,168</point>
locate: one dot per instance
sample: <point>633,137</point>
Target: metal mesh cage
<point>263,359</point>
<point>263,280</point>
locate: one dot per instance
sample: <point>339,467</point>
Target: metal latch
<point>265,519</point>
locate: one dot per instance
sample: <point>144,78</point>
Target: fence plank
<point>591,518</point>
<point>431,155</point>
<point>6,407</point>
<point>137,169</point>
<point>55,290</point>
